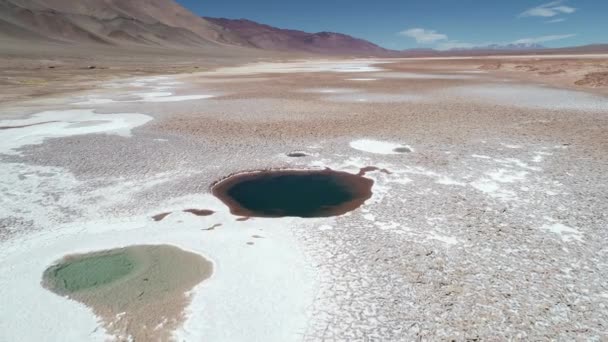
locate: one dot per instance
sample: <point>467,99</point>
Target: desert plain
<point>487,218</point>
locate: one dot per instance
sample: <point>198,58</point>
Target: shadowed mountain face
<point>116,22</point>
<point>272,38</point>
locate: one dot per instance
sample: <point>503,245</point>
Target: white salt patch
<point>377,147</point>
<point>448,240</point>
<point>480,156</point>
<point>492,189</point>
<point>512,146</point>
<point>362,79</point>
<point>325,227</point>
<point>175,98</point>
<point>329,90</point>
<point>137,84</point>
<point>145,97</point>
<point>369,217</point>
<point>403,180</point>
<point>518,163</point>
<point>527,96</point>
<point>507,176</point>
<point>540,156</point>
<point>473,72</point>
<point>57,124</point>
<point>566,233</point>
<point>444,180</point>
<point>421,76</point>
<point>376,97</point>
<point>485,185</point>
<point>304,66</point>
<point>387,225</point>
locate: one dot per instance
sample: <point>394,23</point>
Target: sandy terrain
<point>490,222</point>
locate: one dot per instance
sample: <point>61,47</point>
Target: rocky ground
<point>491,227</point>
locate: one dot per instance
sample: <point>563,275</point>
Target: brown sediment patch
<point>552,72</point>
<point>594,79</point>
<point>139,292</point>
<point>402,150</point>
<point>243,219</point>
<point>296,193</point>
<point>250,243</point>
<point>23,126</point>
<point>200,212</point>
<point>257,236</point>
<point>365,170</point>
<point>161,216</point>
<point>491,66</point>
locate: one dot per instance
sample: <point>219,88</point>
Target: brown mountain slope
<point>148,22</point>
<point>272,38</point>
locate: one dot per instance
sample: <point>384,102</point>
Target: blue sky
<point>400,24</point>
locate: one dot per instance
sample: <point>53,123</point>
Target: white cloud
<point>556,20</point>
<point>543,39</point>
<point>550,9</point>
<point>424,36</point>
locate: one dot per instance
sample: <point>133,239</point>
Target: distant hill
<point>504,47</point>
<point>271,38</point>
<point>113,22</point>
<point>506,50</point>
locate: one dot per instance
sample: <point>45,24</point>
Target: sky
<point>440,24</point>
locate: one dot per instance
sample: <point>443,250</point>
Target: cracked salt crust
<point>268,289</point>
<point>565,233</point>
<point>356,262</point>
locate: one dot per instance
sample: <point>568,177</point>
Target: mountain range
<point>271,38</point>
<point>166,24</point>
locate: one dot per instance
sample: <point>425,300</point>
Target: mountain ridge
<point>264,36</point>
<point>111,22</point>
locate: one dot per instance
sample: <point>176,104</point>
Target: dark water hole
<point>402,150</point>
<point>297,193</point>
<point>297,154</point>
